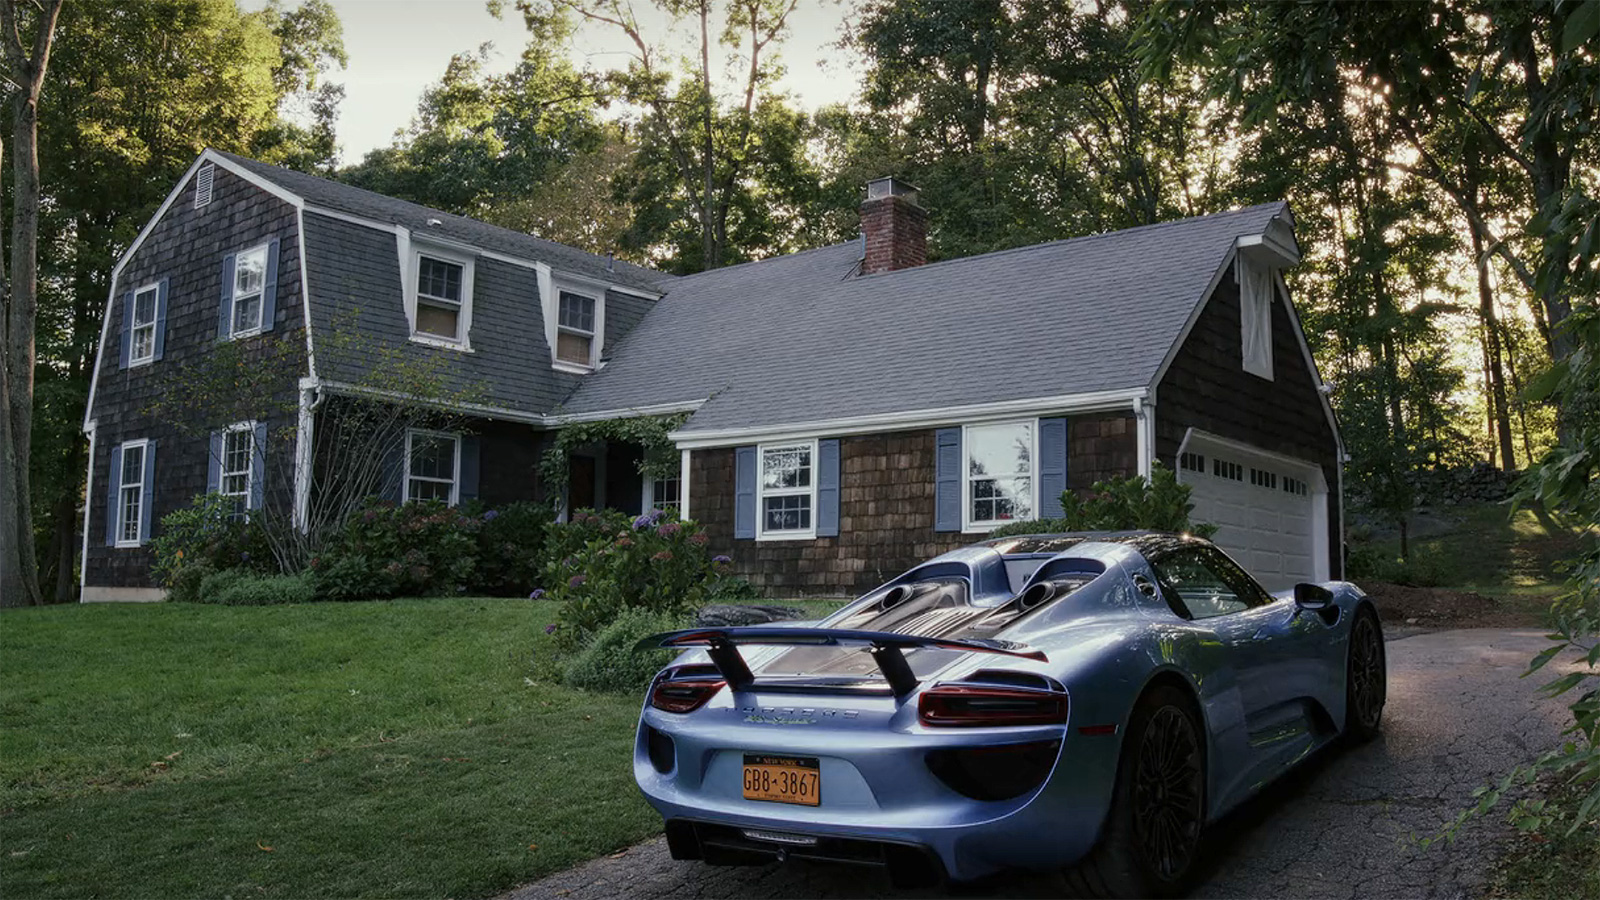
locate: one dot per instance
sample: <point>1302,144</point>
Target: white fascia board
<point>90,428</point>
<point>477,409</point>
<point>305,293</point>
<point>972,414</point>
<point>1311,364</point>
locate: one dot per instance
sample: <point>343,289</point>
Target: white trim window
<point>1001,473</point>
<point>577,331</point>
<point>1255,316</point>
<point>664,494</point>
<point>130,494</point>
<point>433,466</point>
<point>236,468</point>
<point>439,297</point>
<point>786,491</point>
<point>142,340</point>
<point>249,287</point>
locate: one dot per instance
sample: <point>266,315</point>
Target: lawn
<point>398,749</point>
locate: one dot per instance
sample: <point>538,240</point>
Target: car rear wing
<point>887,648</point>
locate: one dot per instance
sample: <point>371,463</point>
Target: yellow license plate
<point>782,779</point>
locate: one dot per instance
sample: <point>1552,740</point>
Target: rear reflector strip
<point>1094,730</point>
<point>778,837</point>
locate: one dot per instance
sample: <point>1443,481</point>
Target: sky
<point>398,47</point>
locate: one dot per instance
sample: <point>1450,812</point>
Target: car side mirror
<point>1312,596</point>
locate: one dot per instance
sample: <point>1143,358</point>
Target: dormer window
<point>575,330</point>
<point>440,298</point>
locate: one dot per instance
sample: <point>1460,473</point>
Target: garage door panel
<point>1265,526</point>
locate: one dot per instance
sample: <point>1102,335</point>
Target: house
<point>849,410</point>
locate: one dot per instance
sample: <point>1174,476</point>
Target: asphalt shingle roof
<point>797,339</point>
<point>356,201</point>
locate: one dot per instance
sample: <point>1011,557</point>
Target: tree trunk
<point>1500,411</point>
<point>708,233</point>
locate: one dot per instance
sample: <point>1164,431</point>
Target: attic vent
<point>202,184</point>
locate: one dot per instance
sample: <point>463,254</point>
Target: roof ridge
<point>769,259</point>
<point>245,160</point>
<point>1082,238</point>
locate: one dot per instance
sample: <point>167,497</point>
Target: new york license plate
<point>782,779</point>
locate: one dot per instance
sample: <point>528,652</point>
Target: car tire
<point>1366,678</point>
<point>1150,844</point>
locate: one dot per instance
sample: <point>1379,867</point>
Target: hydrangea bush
<point>604,563</point>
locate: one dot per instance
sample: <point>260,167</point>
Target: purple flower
<point>551,629</point>
<point>648,520</point>
<point>668,529</point>
<point>722,559</point>
<point>575,580</point>
<point>538,594</point>
<point>490,515</point>
<point>244,556</point>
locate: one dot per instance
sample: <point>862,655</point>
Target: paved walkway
<point>1458,714</point>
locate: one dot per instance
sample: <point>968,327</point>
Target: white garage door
<point>1266,509</point>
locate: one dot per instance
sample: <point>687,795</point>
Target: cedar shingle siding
<point>187,247</point>
<point>1207,388</point>
<point>886,508</point>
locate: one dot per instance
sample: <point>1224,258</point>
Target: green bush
<point>511,549</point>
<point>417,549</point>
<point>653,563</point>
<point>235,587</point>
<point>1371,564</point>
<point>206,536</point>
<point>1158,503</point>
<point>609,662</point>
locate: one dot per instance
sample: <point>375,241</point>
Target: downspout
<point>92,429</point>
<point>1144,418</point>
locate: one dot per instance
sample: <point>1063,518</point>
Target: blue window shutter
<point>258,466</point>
<point>214,464</point>
<point>828,488</point>
<point>127,329</point>
<point>269,289</point>
<point>112,484</point>
<point>149,491</point>
<point>947,480</point>
<point>392,485</point>
<point>468,489</point>
<point>225,310</point>
<point>1052,466</point>
<point>161,319</point>
<point>744,493</point>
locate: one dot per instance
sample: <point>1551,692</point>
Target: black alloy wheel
<point>1167,790</point>
<point>1366,684</point>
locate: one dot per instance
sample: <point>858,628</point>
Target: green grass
<point>1553,865</point>
<point>408,748</point>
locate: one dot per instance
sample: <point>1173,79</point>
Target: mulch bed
<point>1402,604</point>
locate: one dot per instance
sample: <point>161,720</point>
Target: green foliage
<point>1418,570</point>
<point>414,550</point>
<point>652,563</point>
<point>609,662</point>
<point>236,587</point>
<point>661,458</point>
<point>206,536</point>
<point>511,553</point>
<point>1159,503</point>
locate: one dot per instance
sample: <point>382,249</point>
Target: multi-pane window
<point>664,494</point>
<point>575,329</point>
<point>999,473</point>
<point>788,489</point>
<point>1263,478</point>
<point>143,346</point>
<point>1223,468</point>
<point>1295,486</point>
<point>235,467</point>
<point>432,465</point>
<point>439,298</point>
<point>249,281</point>
<point>1194,462</point>
<point>130,493</point>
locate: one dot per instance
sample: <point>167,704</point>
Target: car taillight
<point>983,706</point>
<point>684,695</point>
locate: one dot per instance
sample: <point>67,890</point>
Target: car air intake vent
<point>1036,594</point>
<point>895,596</point>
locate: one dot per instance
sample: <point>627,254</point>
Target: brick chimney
<point>894,226</point>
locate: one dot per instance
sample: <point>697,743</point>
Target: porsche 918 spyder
<point>1086,702</point>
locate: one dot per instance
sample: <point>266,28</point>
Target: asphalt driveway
<point>1342,827</point>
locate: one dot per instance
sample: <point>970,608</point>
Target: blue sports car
<point>1079,701</point>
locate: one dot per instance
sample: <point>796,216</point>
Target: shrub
<point>653,563</point>
<point>416,549</point>
<point>1158,503</point>
<point>609,662</point>
<point>1370,563</point>
<point>238,588</point>
<point>511,544</point>
<point>206,536</point>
